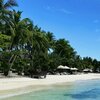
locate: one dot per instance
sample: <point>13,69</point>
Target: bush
<point>5,67</point>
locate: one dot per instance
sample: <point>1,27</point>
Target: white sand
<point>15,86</point>
<point>14,83</point>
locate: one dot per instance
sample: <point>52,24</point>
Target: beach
<point>12,86</point>
<point>14,83</point>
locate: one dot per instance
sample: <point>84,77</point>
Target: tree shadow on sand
<point>91,94</point>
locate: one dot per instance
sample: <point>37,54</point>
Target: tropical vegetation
<point>26,47</point>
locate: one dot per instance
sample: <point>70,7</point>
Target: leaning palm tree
<point>20,34</point>
<point>20,29</point>
<point>5,12</point>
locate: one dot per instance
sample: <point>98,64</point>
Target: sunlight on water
<point>80,90</point>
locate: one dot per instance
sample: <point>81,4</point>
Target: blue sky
<point>75,20</point>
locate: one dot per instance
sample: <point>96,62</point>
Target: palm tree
<point>51,40</point>
<point>20,31</point>
<point>4,14</point>
<point>5,20</point>
<point>4,8</point>
<point>4,42</point>
<point>64,50</point>
<point>39,49</point>
<point>6,5</point>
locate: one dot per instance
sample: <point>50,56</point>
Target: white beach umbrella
<point>74,68</point>
<point>86,70</point>
<point>66,67</point>
<point>60,67</point>
<point>63,67</point>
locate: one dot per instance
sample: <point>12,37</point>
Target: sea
<point>79,90</point>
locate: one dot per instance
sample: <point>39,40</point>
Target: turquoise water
<point>80,90</point>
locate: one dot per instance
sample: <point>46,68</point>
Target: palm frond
<point>1,3</point>
<point>10,4</point>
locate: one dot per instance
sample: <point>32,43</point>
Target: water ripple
<point>91,94</point>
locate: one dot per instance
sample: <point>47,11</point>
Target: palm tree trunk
<point>13,57</point>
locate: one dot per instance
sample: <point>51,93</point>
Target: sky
<point>78,21</point>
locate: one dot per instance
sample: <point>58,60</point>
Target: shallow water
<point>80,90</point>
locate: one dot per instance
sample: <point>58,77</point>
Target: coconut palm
<point>4,41</point>
<point>64,50</point>
<point>20,35</point>
<point>39,49</point>
<point>20,30</point>
<point>5,7</point>
<point>51,40</point>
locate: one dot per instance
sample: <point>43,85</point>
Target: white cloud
<point>65,11</point>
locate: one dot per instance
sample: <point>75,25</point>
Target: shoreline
<point>17,86</point>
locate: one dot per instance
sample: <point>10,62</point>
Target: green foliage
<point>96,65</point>
<point>4,62</point>
<point>64,50</point>
<point>5,67</point>
<point>4,41</point>
<point>25,47</point>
